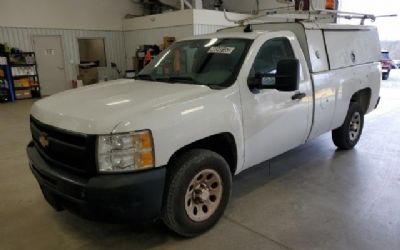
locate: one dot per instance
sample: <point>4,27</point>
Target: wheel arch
<point>223,144</point>
<point>362,97</point>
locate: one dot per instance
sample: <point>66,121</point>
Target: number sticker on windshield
<point>221,50</point>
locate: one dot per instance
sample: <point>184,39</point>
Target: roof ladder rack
<point>313,15</point>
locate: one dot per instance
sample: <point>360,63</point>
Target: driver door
<point>274,121</point>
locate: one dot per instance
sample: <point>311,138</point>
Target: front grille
<point>67,150</point>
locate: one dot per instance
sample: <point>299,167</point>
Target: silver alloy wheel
<point>355,126</point>
<point>203,195</point>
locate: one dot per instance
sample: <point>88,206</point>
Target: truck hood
<point>99,108</point>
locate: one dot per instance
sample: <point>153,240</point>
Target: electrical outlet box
<point>310,4</point>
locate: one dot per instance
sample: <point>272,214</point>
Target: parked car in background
<point>387,64</point>
<point>397,63</point>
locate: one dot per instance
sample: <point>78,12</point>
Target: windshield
<point>211,62</point>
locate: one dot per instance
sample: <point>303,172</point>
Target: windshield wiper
<point>188,79</point>
<point>177,79</point>
<point>181,78</point>
<point>145,77</point>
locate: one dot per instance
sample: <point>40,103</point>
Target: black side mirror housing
<point>287,77</point>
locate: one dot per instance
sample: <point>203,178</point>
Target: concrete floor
<point>313,197</point>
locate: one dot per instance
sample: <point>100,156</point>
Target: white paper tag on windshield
<point>221,50</point>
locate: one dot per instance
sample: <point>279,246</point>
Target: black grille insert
<point>65,149</point>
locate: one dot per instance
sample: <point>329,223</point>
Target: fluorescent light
<point>211,43</point>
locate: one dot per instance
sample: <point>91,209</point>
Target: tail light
<point>386,64</point>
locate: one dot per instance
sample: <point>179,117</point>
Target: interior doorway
<point>51,64</point>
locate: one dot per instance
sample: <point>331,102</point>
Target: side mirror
<point>287,77</point>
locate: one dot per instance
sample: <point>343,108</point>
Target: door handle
<point>298,96</point>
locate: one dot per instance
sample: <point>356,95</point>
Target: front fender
<point>180,124</point>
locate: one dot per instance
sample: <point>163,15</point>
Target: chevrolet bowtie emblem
<point>44,141</point>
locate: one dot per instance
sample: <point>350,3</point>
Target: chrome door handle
<point>298,96</point>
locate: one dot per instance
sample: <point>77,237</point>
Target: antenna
<point>248,29</point>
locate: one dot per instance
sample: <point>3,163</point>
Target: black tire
<point>180,175</point>
<point>347,136</point>
<point>385,76</point>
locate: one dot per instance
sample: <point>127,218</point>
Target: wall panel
<point>114,42</point>
<point>202,29</point>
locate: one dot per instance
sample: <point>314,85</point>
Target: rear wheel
<point>197,192</point>
<point>347,136</point>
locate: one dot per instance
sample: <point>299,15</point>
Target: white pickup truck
<point>167,144</point>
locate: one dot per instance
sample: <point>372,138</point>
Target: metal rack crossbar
<point>312,15</point>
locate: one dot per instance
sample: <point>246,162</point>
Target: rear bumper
<point>121,197</point>
<point>377,102</point>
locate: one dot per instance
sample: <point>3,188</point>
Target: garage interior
<point>312,197</point>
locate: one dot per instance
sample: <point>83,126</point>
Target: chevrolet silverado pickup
<point>166,144</point>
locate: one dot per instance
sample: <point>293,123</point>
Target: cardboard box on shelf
<point>3,60</point>
<point>168,41</point>
<point>23,94</point>
<point>88,76</point>
<point>24,82</point>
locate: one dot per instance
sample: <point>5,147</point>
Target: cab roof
<point>221,35</point>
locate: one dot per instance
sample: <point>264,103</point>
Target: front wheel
<point>197,192</point>
<point>347,136</point>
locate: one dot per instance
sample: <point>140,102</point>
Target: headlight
<point>125,152</point>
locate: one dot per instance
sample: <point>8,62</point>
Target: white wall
<point>66,14</point>
<point>248,6</point>
<point>387,27</point>
<point>169,19</point>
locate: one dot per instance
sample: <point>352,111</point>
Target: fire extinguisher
<point>330,4</point>
<point>148,56</point>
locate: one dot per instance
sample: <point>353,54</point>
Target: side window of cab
<point>266,61</point>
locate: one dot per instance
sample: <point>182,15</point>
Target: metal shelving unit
<point>25,76</point>
<point>19,77</point>
<point>6,82</point>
